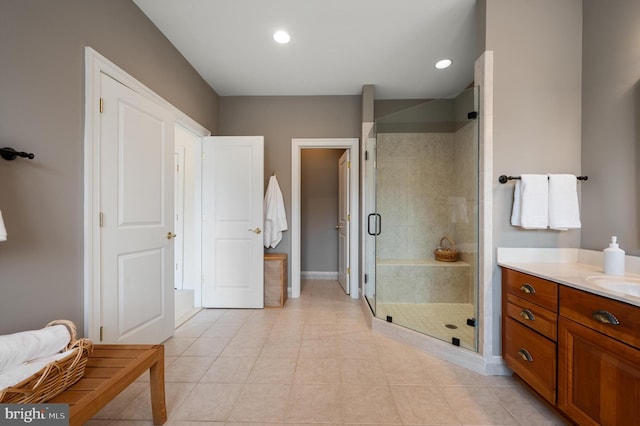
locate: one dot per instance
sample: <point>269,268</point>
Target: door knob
<point>257,230</point>
<point>338,226</point>
<point>171,235</point>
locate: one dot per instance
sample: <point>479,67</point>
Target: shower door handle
<point>378,224</point>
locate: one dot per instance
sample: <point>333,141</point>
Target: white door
<point>232,204</point>
<point>136,200</point>
<point>343,221</point>
<point>178,218</point>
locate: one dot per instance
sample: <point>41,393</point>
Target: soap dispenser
<point>614,258</point>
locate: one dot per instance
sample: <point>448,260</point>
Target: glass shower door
<point>371,224</point>
<point>421,193</point>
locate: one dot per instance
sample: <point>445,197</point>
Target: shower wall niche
<point>426,186</point>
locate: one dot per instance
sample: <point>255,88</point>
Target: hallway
<point>315,362</point>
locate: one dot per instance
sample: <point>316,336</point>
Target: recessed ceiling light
<point>443,63</point>
<point>281,37</point>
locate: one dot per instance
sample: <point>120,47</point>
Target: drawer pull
<point>605,317</point>
<point>527,288</point>
<point>525,355</point>
<point>527,314</point>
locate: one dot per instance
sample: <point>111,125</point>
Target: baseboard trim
<point>318,275</point>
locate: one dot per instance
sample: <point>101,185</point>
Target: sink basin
<point>628,286</point>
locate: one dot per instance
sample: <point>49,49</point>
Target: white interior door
<point>232,203</point>
<point>343,221</point>
<point>178,218</point>
<point>136,203</point>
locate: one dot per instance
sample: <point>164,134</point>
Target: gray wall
<point>611,124</point>
<point>282,118</point>
<point>319,210</point>
<point>537,49</point>
<point>41,111</point>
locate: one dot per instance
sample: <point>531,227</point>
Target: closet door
<point>136,202</point>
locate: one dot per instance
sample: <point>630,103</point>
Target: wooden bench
<point>110,369</point>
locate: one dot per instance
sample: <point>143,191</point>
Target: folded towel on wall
<point>275,216</point>
<point>564,210</point>
<point>531,202</point>
<point>18,348</point>
<point>3,230</point>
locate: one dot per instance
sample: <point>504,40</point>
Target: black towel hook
<point>10,154</point>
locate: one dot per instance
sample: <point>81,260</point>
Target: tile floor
<point>434,319</point>
<point>315,362</point>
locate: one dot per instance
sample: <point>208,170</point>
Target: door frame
<point>96,64</point>
<point>297,145</point>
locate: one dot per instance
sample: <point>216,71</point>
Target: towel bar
<point>11,154</point>
<point>505,178</point>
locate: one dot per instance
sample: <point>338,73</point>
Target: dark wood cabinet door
<point>598,377</point>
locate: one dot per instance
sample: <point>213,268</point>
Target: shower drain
<point>451,326</point>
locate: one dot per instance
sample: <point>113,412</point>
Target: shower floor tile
<point>435,319</point>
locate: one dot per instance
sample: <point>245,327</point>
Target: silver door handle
<point>256,230</point>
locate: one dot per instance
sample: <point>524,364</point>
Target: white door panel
<point>233,188</point>
<point>136,197</point>
<point>343,221</point>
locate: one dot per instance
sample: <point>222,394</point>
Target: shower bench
<point>110,369</point>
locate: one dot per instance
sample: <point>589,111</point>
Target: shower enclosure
<point>421,193</point>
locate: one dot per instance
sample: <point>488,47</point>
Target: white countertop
<point>570,267</point>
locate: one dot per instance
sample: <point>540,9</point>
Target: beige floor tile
<point>192,329</point>
<point>421,405</point>
<point>407,371</point>
<point>281,347</point>
<point>322,347</point>
<point>229,370</point>
<point>261,403</point>
<point>273,370</point>
<point>120,402</point>
<point>208,402</point>
<point>356,371</point>
<point>207,346</point>
<point>314,404</point>
<point>356,348</point>
<point>473,405</point>
<point>368,404</point>
<point>175,346</point>
<point>140,406</point>
<point>317,371</point>
<point>526,407</point>
<point>222,329</point>
<point>188,369</point>
<point>319,330</point>
<point>243,348</point>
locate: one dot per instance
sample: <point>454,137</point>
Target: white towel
<point>275,216</point>
<point>18,348</point>
<point>531,202</point>
<point>14,375</point>
<point>564,211</point>
<point>3,230</point>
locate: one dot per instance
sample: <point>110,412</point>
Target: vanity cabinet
<point>598,359</point>
<point>578,350</point>
<point>530,313</point>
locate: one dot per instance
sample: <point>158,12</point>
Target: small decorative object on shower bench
<point>446,253</point>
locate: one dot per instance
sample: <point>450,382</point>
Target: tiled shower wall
<point>426,189</point>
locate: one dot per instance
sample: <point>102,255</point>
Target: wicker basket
<point>446,254</point>
<point>54,377</point>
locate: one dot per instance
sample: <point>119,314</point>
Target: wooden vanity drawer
<point>594,312</point>
<point>533,316</point>
<point>532,357</point>
<point>535,290</point>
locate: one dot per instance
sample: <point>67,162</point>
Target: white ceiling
<point>336,47</point>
